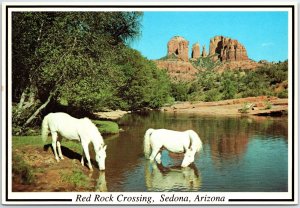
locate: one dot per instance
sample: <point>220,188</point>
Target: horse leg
<point>87,155</point>
<point>158,158</point>
<point>82,158</point>
<point>59,148</point>
<point>54,141</point>
<point>154,153</point>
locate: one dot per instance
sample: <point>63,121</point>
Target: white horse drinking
<point>83,130</point>
<point>187,142</point>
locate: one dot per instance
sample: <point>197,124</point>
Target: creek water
<point>240,154</point>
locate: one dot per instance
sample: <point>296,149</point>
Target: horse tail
<point>147,145</point>
<point>45,128</point>
<point>196,141</point>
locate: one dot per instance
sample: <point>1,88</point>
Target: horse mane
<point>94,132</point>
<point>195,140</point>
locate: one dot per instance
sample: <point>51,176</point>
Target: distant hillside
<point>225,73</point>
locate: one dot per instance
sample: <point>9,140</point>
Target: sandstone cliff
<point>224,54</point>
<point>179,47</point>
<point>227,49</point>
<point>178,70</point>
<point>196,51</point>
<point>235,65</point>
<point>204,54</point>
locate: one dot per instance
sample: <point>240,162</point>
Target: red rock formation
<point>180,47</point>
<point>178,70</point>
<point>235,65</point>
<point>227,49</point>
<point>204,54</point>
<point>232,53</point>
<point>196,51</point>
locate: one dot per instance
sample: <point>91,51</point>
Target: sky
<point>264,34</point>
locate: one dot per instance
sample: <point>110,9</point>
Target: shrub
<point>180,91</point>
<point>283,94</point>
<point>212,95</point>
<point>268,105</point>
<point>246,107</point>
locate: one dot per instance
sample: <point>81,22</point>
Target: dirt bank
<point>46,174</point>
<point>262,105</point>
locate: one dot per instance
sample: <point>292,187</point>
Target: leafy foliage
<point>206,62</point>
<point>81,60</point>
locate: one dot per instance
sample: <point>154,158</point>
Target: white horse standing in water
<point>83,130</point>
<point>187,142</point>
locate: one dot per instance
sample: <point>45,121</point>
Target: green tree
<point>70,56</point>
<point>229,84</point>
<point>180,90</point>
<point>144,84</point>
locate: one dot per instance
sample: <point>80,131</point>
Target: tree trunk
<point>33,116</point>
<point>22,100</point>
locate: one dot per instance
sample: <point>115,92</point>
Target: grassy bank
<point>36,141</point>
<point>107,127</point>
<point>33,163</point>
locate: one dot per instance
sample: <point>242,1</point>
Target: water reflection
<point>235,148</point>
<point>228,148</point>
<point>101,182</point>
<point>228,138</point>
<point>176,178</point>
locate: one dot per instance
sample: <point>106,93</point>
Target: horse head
<point>100,156</point>
<point>189,157</point>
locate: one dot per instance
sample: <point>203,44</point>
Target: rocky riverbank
<point>111,115</point>
<point>261,105</point>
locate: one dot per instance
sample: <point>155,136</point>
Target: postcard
<point>149,104</point>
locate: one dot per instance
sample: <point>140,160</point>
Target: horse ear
<point>105,147</point>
